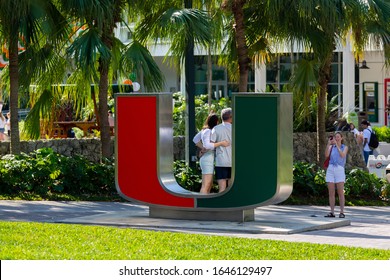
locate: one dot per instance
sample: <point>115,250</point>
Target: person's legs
<point>332,199</point>
<point>207,165</point>
<point>222,184</point>
<point>340,193</point>
<point>207,182</point>
<point>366,154</point>
<point>222,175</point>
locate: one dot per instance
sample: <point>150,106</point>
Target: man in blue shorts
<point>223,155</point>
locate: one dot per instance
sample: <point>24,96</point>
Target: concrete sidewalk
<point>367,227</point>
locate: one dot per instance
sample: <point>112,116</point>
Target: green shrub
<point>383,133</point>
<point>309,180</point>
<point>360,183</point>
<point>187,177</point>
<point>43,172</point>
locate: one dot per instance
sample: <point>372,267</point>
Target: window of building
<point>221,85</point>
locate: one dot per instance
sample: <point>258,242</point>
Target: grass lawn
<point>45,241</point>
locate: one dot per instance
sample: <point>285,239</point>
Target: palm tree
<point>236,7</point>
<point>98,54</point>
<point>33,21</point>
<point>99,57</point>
<point>320,25</point>
<point>317,25</point>
<point>184,29</point>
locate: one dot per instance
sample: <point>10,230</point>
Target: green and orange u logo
<point>262,153</point>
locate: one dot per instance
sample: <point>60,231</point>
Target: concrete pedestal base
<point>229,215</point>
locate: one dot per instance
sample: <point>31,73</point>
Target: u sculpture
<point>262,149</point>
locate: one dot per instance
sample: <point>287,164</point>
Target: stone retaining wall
<point>89,147</point>
<point>304,148</point>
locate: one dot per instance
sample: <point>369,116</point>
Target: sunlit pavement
<point>367,227</point>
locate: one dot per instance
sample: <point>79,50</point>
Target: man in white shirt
<point>367,130</point>
<point>223,155</point>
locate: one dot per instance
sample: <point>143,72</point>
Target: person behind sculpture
<point>2,127</point>
<point>8,124</point>
<point>342,125</point>
<point>335,173</point>
<point>202,140</point>
<point>367,130</point>
<point>111,120</point>
<point>223,155</point>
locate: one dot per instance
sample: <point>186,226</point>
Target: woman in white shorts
<point>335,173</point>
<point>207,159</point>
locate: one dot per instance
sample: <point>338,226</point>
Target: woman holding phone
<point>335,173</point>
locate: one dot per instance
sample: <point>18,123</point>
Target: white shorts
<point>207,163</point>
<point>335,174</point>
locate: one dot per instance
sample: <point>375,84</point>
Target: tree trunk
<point>95,107</point>
<point>323,80</point>
<point>103,110</point>
<point>242,49</point>
<point>209,78</point>
<point>14,94</point>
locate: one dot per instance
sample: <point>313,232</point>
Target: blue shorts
<point>222,173</point>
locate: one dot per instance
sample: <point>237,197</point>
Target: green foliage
<point>307,122</point>
<point>29,241</point>
<point>48,175</point>
<point>363,184</point>
<point>383,133</point>
<point>44,172</point>
<point>187,177</point>
<point>309,179</point>
<point>202,110</point>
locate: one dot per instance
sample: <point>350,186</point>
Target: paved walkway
<point>367,227</point>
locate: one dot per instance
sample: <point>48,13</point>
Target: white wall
<point>172,83</point>
<point>376,73</point>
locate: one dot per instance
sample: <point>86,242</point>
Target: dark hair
<point>212,120</point>
<point>365,122</point>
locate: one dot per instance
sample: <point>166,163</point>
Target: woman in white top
<point>2,126</point>
<point>358,135</point>
<point>207,159</point>
<point>8,124</point>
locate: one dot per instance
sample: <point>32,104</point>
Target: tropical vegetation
<point>77,38</point>
<point>41,27</point>
<point>84,52</point>
<point>46,175</point>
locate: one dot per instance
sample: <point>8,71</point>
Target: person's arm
<point>197,138</point>
<point>212,145</point>
<point>200,145</point>
<point>342,153</point>
<point>366,135</point>
<point>328,148</point>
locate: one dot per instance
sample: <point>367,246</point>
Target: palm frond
<point>42,108</point>
<point>86,49</point>
<point>138,59</point>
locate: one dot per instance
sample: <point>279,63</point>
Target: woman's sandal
<point>330,215</point>
<point>341,215</point>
